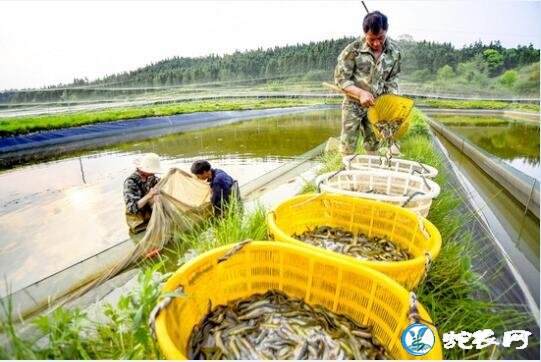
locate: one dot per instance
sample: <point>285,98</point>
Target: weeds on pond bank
<point>120,333</point>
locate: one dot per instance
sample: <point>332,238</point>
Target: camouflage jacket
<point>357,66</point>
<point>134,190</point>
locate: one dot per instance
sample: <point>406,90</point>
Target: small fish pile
<point>358,245</point>
<point>275,326</point>
<point>387,129</point>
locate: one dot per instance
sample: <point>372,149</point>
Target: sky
<point>51,42</point>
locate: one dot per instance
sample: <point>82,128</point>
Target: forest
<point>426,67</point>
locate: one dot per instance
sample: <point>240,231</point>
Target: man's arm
<point>343,72</point>
<point>217,197</point>
<point>343,76</point>
<point>131,196</point>
<point>391,83</point>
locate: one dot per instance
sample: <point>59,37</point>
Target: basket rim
<point>346,160</point>
<point>164,339</point>
<point>434,233</point>
<point>434,192</point>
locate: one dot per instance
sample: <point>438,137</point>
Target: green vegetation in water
<point>22,125</point>
<point>514,140</point>
<point>463,104</point>
<point>455,296</point>
<point>473,121</point>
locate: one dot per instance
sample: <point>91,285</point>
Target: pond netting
<point>182,202</point>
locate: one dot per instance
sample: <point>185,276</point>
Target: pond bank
<point>37,146</point>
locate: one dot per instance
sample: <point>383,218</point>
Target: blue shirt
<point>221,184</point>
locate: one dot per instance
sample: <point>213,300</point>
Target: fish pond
<point>70,208</point>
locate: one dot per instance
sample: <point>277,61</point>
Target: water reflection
<point>516,231</point>
<point>55,213</point>
<point>516,143</point>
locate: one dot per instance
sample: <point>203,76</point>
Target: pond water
<point>516,231</point>
<point>56,213</point>
<point>517,143</point>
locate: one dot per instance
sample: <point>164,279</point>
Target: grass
<point>73,334</point>
<point>463,104</point>
<point>23,125</point>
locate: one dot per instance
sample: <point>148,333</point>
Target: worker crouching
<point>225,190</point>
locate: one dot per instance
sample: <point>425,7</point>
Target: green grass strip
<point>23,125</point>
<point>463,104</point>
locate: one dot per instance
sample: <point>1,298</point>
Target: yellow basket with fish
<point>238,271</point>
<point>391,108</point>
<point>413,233</point>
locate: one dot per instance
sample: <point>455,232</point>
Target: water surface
<point>54,214</point>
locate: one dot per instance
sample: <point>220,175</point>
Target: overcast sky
<point>49,42</point>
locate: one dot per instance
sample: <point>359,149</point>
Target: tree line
<point>422,60</point>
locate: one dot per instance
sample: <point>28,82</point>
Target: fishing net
<point>182,202</point>
<point>390,116</point>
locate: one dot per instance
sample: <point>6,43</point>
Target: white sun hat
<point>150,163</point>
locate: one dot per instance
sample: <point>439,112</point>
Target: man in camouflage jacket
<point>367,68</point>
<point>139,191</point>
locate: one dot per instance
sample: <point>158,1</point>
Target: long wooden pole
<point>340,90</point>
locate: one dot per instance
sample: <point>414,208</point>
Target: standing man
<point>367,68</point>
<point>224,187</point>
<point>139,192</point>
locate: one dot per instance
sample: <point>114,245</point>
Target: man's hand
<point>153,192</point>
<point>365,98</point>
<point>152,195</point>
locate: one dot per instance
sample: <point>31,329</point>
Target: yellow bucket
<point>298,214</point>
<point>390,107</point>
<point>363,294</point>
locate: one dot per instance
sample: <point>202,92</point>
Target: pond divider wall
<point>523,188</point>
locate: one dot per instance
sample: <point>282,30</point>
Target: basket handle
<point>159,307</point>
<point>234,250</point>
<point>423,177</point>
<point>422,226</point>
<point>343,168</point>
<point>413,311</point>
<point>351,159</point>
<point>423,167</point>
<point>411,197</point>
<point>428,264</point>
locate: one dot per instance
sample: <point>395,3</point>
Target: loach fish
<point>275,326</point>
<point>357,245</point>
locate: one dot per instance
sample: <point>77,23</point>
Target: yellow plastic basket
<point>363,294</point>
<point>390,107</point>
<point>374,218</point>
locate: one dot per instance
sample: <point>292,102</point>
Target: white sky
<point>48,42</point>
